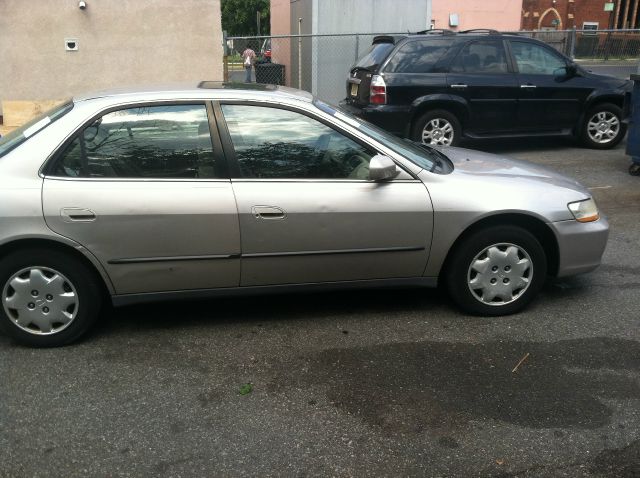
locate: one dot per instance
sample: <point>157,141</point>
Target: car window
<point>170,141</point>
<point>277,143</point>
<point>485,56</point>
<point>374,56</point>
<point>419,154</point>
<point>535,59</point>
<point>19,135</point>
<point>422,56</point>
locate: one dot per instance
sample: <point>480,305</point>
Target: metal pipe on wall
<point>300,53</point>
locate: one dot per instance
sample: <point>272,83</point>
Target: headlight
<point>584,211</point>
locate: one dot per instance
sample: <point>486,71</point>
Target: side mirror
<point>565,72</point>
<point>382,168</point>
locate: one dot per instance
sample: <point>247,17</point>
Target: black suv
<point>439,86</point>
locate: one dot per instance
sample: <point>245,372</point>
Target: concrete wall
<point>120,42</point>
<point>501,15</point>
<point>372,16</point>
<point>281,25</point>
<point>333,56</point>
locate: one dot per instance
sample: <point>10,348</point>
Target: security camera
<point>82,5</point>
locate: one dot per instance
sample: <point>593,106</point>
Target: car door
<point>308,212</point>
<point>481,75</point>
<point>549,99</point>
<point>144,190</point>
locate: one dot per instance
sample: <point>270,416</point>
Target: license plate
<point>354,89</point>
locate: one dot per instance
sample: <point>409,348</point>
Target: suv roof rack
<point>434,31</point>
<point>482,30</point>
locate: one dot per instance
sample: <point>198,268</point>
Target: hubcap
<point>40,301</point>
<point>603,127</point>
<point>437,131</point>
<point>500,274</point>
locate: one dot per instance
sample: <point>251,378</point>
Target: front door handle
<point>267,212</point>
<point>529,85</point>
<point>458,85</point>
<point>75,214</point>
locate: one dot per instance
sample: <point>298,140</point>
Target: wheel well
<point>451,107</point>
<point>618,101</point>
<point>44,244</point>
<point>535,226</point>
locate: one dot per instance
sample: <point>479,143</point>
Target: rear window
<point>421,56</point>
<point>376,55</point>
<point>20,135</point>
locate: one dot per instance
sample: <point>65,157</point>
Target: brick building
<point>579,14</point>
<point>625,14</point>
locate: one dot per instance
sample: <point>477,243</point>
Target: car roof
<point>203,89</point>
<point>443,32</point>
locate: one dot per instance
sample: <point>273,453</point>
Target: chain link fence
<point>320,63</point>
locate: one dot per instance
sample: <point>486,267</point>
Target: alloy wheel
<point>603,127</point>
<point>438,131</point>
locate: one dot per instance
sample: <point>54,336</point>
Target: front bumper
<point>580,245</point>
<point>392,118</point>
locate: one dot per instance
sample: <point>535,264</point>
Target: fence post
<point>607,46</point>
<point>572,44</point>
<point>357,47</point>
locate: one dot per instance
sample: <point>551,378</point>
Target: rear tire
<point>602,127</point>
<point>437,128</point>
<point>49,298</point>
<point>496,271</point>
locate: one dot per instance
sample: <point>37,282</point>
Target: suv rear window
<point>20,135</point>
<point>374,56</point>
<point>421,56</point>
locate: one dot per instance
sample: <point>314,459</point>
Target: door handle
<point>528,86</point>
<point>458,85</point>
<point>267,212</point>
<point>74,214</point>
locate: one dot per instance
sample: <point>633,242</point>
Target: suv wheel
<point>48,298</point>
<point>437,127</point>
<point>496,271</point>
<point>603,127</point>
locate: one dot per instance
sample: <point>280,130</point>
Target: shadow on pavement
<point>408,387</point>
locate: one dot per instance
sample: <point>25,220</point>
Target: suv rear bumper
<point>393,118</point>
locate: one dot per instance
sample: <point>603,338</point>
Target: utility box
<point>270,73</point>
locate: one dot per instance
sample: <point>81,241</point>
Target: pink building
<point>458,15</point>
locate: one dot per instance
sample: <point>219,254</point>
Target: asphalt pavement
<point>366,383</point>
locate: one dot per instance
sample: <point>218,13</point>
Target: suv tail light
<point>378,91</point>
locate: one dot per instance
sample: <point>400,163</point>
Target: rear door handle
<point>74,214</point>
<point>458,85</point>
<point>528,86</point>
<point>267,212</point>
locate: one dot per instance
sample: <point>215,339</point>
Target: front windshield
<point>18,136</point>
<point>419,154</point>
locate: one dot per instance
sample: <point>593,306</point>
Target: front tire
<point>603,127</point>
<point>496,271</point>
<point>437,128</point>
<point>49,298</point>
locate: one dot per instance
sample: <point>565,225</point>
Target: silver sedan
<point>133,196</point>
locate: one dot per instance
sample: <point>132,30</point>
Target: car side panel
<point>151,236</point>
<point>333,231</point>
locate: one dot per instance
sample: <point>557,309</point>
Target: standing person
<point>248,57</point>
